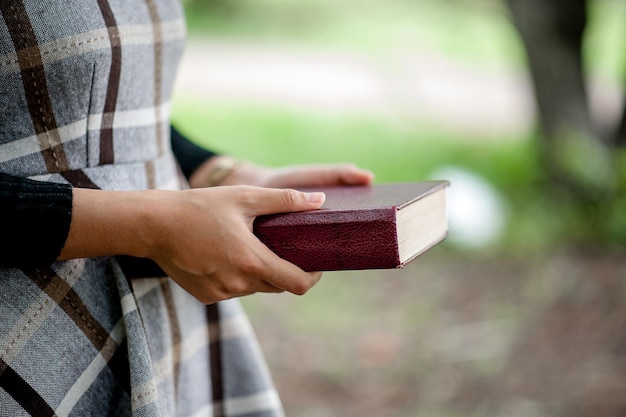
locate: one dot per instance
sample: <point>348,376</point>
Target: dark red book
<point>360,227</point>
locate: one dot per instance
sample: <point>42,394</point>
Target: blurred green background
<point>527,320</point>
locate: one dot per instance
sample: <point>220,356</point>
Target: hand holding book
<point>378,226</point>
<point>211,251</point>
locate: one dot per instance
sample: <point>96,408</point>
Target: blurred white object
<point>476,212</point>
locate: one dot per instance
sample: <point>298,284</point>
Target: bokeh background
<point>521,312</point>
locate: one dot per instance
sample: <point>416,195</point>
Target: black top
<point>190,156</point>
<point>35,216</point>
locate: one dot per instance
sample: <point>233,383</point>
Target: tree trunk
<point>552,32</point>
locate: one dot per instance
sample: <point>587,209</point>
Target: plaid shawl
<point>84,95</point>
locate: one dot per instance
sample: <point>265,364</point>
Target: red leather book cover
<point>354,229</point>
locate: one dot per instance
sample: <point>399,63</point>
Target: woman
<point>87,172</point>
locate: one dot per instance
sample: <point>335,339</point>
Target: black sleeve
<point>189,155</point>
<point>35,220</point>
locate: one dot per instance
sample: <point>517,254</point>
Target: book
<point>380,226</point>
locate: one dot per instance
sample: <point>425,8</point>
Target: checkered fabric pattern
<point>84,99</point>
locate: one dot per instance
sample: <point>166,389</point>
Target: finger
<point>298,283</point>
<point>259,201</point>
<point>321,175</point>
<point>252,287</point>
<point>285,275</point>
<point>266,287</point>
<point>354,176</point>
<point>263,263</point>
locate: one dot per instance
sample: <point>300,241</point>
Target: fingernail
<point>316,197</point>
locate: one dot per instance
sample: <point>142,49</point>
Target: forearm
<point>111,223</point>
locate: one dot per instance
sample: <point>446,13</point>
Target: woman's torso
<point>85,85</point>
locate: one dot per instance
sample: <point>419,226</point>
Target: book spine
<point>366,240</point>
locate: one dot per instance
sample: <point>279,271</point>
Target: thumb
<point>285,200</point>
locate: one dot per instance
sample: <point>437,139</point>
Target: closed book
<point>379,226</point>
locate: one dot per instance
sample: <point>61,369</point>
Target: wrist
<point>214,171</point>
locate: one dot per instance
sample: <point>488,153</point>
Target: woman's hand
<point>287,177</point>
<point>201,238</point>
